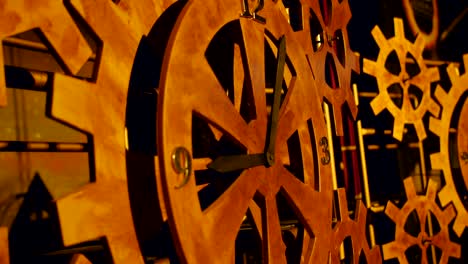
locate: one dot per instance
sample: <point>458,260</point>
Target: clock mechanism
<point>234,142</point>
<point>212,131</point>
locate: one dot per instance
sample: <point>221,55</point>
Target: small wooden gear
<point>356,230</point>
<point>324,36</point>
<point>218,112</point>
<point>422,204</point>
<point>406,114</point>
<point>441,127</point>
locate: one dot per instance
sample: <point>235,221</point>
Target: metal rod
<point>365,176</point>
<point>26,79</point>
<point>24,146</point>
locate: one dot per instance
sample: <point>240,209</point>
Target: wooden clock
<point>240,124</point>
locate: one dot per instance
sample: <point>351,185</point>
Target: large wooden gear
<point>101,209</point>
<point>330,40</point>
<point>422,204</point>
<point>198,234</point>
<point>92,212</point>
<point>441,127</point>
<point>406,114</point>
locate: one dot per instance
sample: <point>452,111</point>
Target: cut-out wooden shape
<point>208,235</point>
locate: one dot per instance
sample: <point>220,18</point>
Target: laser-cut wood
<point>406,114</point>
<point>207,236</point>
<point>334,19</point>
<point>441,127</point>
<point>102,208</point>
<point>423,205</point>
<point>65,38</point>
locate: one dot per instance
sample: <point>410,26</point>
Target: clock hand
<point>225,164</point>
<point>280,61</point>
<point>237,162</point>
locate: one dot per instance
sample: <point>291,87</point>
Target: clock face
<point>241,133</point>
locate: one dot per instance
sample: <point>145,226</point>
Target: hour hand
<point>225,164</point>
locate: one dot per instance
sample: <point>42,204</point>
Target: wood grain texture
<point>102,208</point>
<point>207,236</point>
<point>64,37</point>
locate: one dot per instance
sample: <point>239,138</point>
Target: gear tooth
<point>450,212</point>
<point>433,74</point>
<point>398,127</point>
<point>458,226</point>
<point>435,125</point>
<point>437,160</point>
<point>444,196</point>
<point>390,250</point>
<point>361,213</point>
<point>453,72</point>
<point>392,211</point>
<point>379,37</point>
<point>455,250</point>
<point>399,30</point>
<point>342,203</point>
<point>419,43</point>
<point>431,190</point>
<point>433,108</point>
<point>375,255</point>
<point>410,190</point>
<point>378,104</point>
<point>465,61</point>
<point>440,94</point>
<point>420,130</point>
<point>369,67</point>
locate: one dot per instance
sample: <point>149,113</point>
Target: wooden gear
<point>423,204</point>
<point>207,236</point>
<point>356,229</point>
<point>407,114</point>
<point>344,63</point>
<point>100,209</point>
<point>441,127</point>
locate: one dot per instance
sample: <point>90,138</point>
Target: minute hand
<point>280,61</point>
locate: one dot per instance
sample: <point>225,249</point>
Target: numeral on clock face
<point>182,164</point>
<point>324,143</point>
<point>248,12</point>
